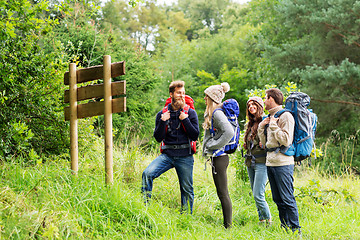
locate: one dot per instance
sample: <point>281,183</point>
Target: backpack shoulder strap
<point>212,130</point>
<point>216,110</point>
<point>186,108</point>
<point>212,116</point>
<point>165,108</point>
<point>279,113</point>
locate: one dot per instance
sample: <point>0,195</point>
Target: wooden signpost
<point>107,107</point>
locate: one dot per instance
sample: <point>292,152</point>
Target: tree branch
<point>335,101</point>
<point>342,35</point>
<point>353,86</point>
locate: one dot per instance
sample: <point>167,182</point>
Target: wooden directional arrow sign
<point>96,92</point>
<point>101,103</point>
<point>96,108</point>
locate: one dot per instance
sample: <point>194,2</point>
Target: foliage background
<point>314,45</point>
<point>311,46</point>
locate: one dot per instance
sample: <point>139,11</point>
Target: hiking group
<point>271,143</point>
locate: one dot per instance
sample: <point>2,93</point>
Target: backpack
<point>231,109</point>
<point>189,103</point>
<point>305,127</point>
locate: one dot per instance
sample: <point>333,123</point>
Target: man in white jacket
<point>274,133</point>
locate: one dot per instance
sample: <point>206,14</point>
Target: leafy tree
<point>148,24</point>
<point>175,61</point>
<point>239,80</point>
<point>204,15</point>
<point>78,35</point>
<point>335,95</point>
<point>31,120</point>
<point>85,42</point>
<point>141,87</point>
<point>316,44</point>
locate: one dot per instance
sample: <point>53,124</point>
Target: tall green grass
<point>341,153</point>
<point>46,201</point>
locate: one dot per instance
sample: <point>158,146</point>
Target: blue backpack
<point>231,109</point>
<point>305,127</point>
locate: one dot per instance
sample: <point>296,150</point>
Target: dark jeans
<point>220,179</point>
<point>281,182</point>
<point>184,170</point>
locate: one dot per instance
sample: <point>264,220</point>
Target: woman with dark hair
<point>255,157</point>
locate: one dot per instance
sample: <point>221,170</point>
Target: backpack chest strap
<point>212,129</point>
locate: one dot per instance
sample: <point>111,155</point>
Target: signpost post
<point>107,107</point>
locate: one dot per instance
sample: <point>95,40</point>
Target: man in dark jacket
<point>176,128</point>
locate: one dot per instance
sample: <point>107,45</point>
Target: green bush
<point>340,153</point>
<point>31,121</point>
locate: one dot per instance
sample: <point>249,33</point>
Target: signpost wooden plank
<point>96,72</point>
<point>106,107</point>
<point>97,108</point>
<point>96,91</point>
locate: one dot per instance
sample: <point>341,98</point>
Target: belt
<point>181,146</point>
<point>281,149</point>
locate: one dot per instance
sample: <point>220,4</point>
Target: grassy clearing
<point>47,202</point>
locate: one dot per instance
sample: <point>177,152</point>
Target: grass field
<point>46,201</point>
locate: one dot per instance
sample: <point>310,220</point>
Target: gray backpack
<point>305,127</point>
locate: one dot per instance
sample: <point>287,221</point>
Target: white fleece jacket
<point>278,134</point>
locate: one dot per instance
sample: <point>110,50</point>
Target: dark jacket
<point>175,133</point>
<point>254,149</point>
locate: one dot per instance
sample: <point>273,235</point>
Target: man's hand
<point>264,122</point>
<point>183,115</point>
<point>165,116</point>
<point>274,119</point>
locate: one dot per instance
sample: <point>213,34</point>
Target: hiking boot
<point>227,225</point>
<point>262,222</point>
<point>268,223</point>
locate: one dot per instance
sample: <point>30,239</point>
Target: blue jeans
<point>258,178</point>
<point>281,182</point>
<point>184,169</point>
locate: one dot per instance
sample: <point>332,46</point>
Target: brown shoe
<point>268,223</point>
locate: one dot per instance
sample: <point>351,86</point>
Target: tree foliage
<point>316,44</point>
<point>85,40</point>
<point>31,121</point>
<point>147,24</point>
<point>205,15</point>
